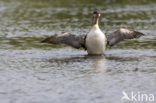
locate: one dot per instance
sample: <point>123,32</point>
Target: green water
<point>31,72</point>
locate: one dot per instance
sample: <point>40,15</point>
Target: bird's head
<point>96,14</point>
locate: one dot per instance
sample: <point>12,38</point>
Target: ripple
<point>34,72</point>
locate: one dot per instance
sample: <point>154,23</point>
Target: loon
<point>95,41</point>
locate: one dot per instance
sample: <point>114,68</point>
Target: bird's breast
<point>95,42</point>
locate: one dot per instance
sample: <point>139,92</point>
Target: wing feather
<point>76,41</point>
<point>121,34</point>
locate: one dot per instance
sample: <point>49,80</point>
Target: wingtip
<point>45,40</point>
<point>140,33</point>
<point>143,34</point>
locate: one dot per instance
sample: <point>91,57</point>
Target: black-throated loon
<point>95,41</point>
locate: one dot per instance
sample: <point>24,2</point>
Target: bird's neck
<point>95,26</point>
<point>95,21</point>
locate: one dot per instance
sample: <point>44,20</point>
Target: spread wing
<point>76,41</point>
<point>121,34</point>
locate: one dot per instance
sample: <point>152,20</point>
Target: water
<point>31,72</point>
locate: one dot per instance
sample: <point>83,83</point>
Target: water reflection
<point>98,63</point>
<point>90,64</point>
<point>38,72</point>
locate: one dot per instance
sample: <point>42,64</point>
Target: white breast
<point>95,41</point>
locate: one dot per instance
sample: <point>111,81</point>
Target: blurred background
<point>31,72</point>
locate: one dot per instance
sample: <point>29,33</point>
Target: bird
<point>95,41</point>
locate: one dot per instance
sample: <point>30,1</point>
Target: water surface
<point>31,72</point>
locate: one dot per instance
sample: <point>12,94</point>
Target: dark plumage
<point>76,41</point>
<point>121,34</point>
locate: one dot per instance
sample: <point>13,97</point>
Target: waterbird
<point>95,41</point>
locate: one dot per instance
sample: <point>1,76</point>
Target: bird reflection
<point>98,63</point>
<point>93,64</point>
